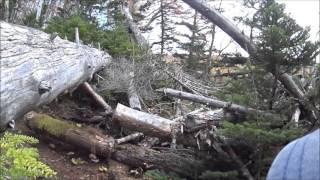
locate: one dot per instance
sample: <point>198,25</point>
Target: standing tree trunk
<point>6,10</point>
<point>193,37</point>
<point>39,9</point>
<point>35,69</point>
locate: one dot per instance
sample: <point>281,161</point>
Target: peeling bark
<point>35,70</point>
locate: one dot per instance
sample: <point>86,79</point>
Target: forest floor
<point>71,163</point>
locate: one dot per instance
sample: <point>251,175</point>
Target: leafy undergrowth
<point>19,160</point>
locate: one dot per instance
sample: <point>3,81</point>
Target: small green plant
<point>19,160</point>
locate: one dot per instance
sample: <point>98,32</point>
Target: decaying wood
<point>133,97</point>
<point>85,139</point>
<point>35,69</point>
<point>99,144</point>
<point>196,119</point>
<point>129,138</point>
<point>86,86</point>
<point>135,120</point>
<point>216,103</point>
<point>244,41</point>
<point>153,125</point>
<point>151,159</point>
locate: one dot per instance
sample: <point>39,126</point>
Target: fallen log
<point>88,140</point>
<point>216,103</point>
<point>36,69</point>
<point>153,125</point>
<point>99,144</point>
<point>136,156</point>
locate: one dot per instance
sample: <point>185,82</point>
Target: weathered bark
<point>244,41</point>
<point>195,119</point>
<point>216,103</point>
<point>35,69</point>
<point>39,9</point>
<point>134,28</point>
<point>85,139</point>
<point>133,97</point>
<point>6,10</point>
<point>223,23</point>
<point>148,158</point>
<point>149,124</point>
<point>153,125</point>
<point>86,86</point>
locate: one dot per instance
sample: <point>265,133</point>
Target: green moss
<point>53,126</point>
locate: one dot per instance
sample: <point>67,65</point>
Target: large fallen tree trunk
<point>235,33</point>
<point>35,69</point>
<point>104,146</point>
<point>217,103</point>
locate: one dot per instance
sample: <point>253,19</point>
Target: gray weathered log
<point>195,118</point>
<point>29,59</point>
<point>244,41</point>
<point>153,125</point>
<point>216,103</point>
<point>149,124</point>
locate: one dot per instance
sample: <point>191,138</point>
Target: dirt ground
<point>59,156</point>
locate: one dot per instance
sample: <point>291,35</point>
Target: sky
<point>305,12</point>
